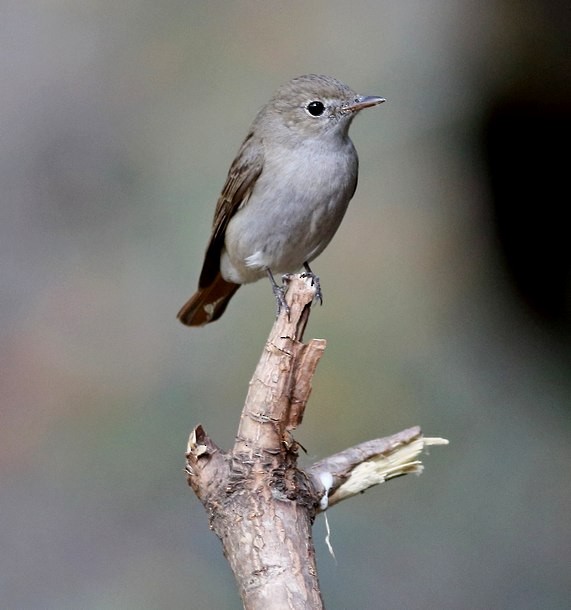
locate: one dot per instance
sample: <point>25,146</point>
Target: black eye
<point>315,108</point>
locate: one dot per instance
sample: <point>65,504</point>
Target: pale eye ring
<point>315,108</point>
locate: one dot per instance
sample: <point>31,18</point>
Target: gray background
<point>118,122</point>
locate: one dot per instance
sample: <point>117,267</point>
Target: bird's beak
<point>364,101</point>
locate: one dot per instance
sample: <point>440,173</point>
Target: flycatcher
<point>286,192</point>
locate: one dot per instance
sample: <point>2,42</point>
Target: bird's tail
<point>208,303</point>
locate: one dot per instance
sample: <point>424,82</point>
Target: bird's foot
<point>314,282</point>
<point>281,303</point>
<point>280,292</point>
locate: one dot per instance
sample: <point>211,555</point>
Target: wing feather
<point>240,182</point>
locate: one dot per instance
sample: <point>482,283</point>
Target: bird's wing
<point>242,176</point>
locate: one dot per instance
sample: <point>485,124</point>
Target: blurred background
<point>447,296</point>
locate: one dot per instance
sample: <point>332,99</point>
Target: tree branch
<point>259,503</point>
<point>352,471</point>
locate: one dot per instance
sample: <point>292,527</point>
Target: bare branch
<point>259,503</point>
<point>354,470</point>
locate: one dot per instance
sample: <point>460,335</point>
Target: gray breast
<point>293,212</point>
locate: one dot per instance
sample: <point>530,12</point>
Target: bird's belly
<point>291,216</point>
<point>282,231</point>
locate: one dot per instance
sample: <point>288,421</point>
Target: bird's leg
<point>279,293</point>
<point>314,282</point>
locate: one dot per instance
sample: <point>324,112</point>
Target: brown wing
<point>210,300</point>
<point>242,176</point>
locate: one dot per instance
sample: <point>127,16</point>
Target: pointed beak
<point>364,101</point>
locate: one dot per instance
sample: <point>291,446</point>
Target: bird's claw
<point>315,283</point>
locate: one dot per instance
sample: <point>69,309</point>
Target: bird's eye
<point>315,108</point>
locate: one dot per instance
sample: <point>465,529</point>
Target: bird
<point>285,195</point>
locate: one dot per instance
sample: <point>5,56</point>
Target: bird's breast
<point>293,211</point>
